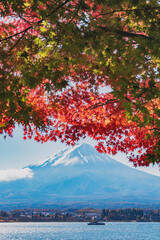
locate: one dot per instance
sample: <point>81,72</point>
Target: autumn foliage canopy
<point>71,69</point>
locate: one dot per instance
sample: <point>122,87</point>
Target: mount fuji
<point>80,176</point>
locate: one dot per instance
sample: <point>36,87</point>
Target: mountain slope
<point>82,174</point>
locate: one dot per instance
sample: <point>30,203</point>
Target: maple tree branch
<point>125,10</point>
<point>96,105</point>
<point>75,12</point>
<point>122,33</point>
<point>114,100</point>
<point>16,34</point>
<point>155,129</point>
<point>55,10</point>
<point>130,10</point>
<point>126,34</point>
<point>38,22</point>
<point>59,38</point>
<point>120,109</point>
<point>134,103</point>
<point>17,41</point>
<point>24,19</point>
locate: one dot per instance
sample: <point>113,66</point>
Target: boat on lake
<point>96,223</point>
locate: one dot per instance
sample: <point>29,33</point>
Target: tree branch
<point>16,34</point>
<point>126,34</point>
<point>55,10</point>
<point>129,10</point>
<point>37,23</point>
<point>17,41</point>
<point>25,20</point>
<point>96,105</point>
<point>75,12</point>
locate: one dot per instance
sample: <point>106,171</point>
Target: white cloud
<point>15,174</point>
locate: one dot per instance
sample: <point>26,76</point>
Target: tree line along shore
<point>80,215</point>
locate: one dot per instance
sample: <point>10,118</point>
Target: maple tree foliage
<point>58,60</point>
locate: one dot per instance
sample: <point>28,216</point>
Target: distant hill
<point>80,176</point>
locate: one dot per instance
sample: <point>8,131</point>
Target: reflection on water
<point>79,231</point>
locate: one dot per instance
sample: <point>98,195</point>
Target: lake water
<point>79,231</point>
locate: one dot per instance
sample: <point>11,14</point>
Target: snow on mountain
<point>80,173</point>
<point>79,154</point>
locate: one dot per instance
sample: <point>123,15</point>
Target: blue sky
<point>18,153</point>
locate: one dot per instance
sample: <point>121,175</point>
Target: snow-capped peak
<point>81,154</point>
